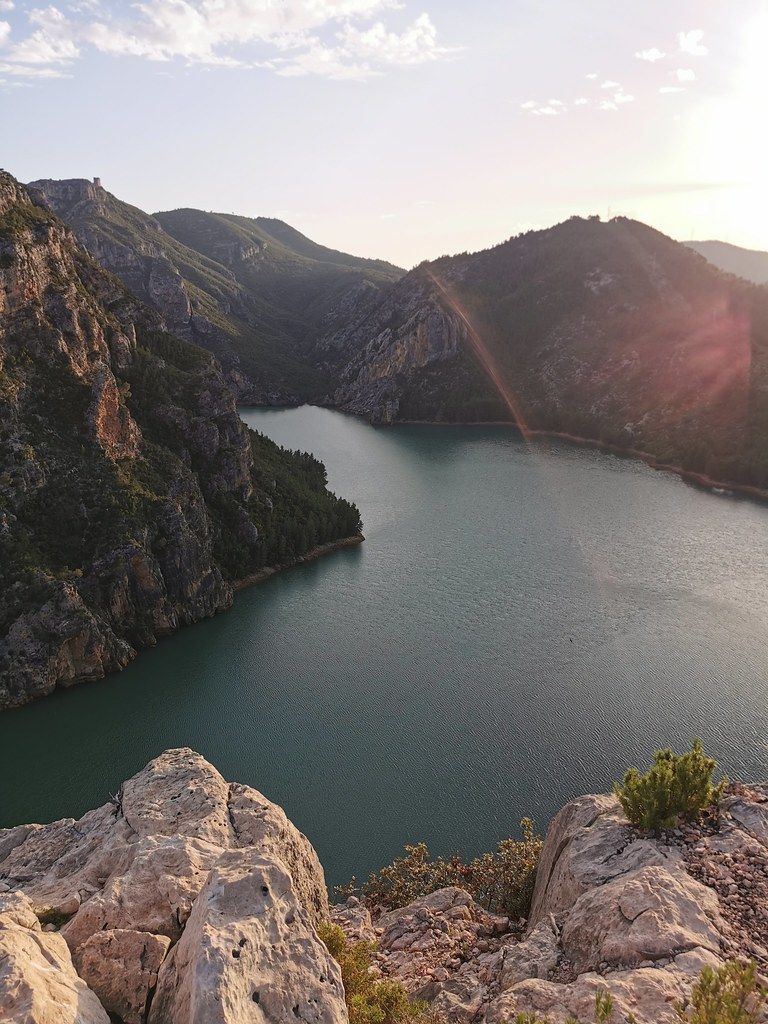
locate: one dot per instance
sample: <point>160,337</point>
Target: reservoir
<point>523,621</point>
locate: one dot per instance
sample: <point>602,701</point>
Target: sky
<point>400,129</point>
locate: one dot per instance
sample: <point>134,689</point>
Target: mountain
<point>252,292</point>
<point>132,496</point>
<point>750,264</point>
<point>608,331</point>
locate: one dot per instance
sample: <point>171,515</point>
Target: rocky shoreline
<point>191,900</point>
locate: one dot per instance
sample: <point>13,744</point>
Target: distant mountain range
<point>751,264</point>
<point>610,331</point>
<point>255,293</point>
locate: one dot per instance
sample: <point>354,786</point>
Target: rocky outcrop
<point>613,910</point>
<point>38,983</point>
<point>248,941</point>
<point>185,898</point>
<point>190,899</point>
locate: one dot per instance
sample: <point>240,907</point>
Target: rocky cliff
<point>606,331</point>
<point>252,292</point>
<point>132,497</point>
<point>186,899</point>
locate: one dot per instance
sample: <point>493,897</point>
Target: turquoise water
<point>521,623</point>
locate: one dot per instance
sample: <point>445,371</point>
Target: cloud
<point>581,101</point>
<point>6,5</point>
<point>5,32</point>
<point>549,109</point>
<point>387,216</point>
<point>623,97</point>
<point>415,45</point>
<point>592,74</point>
<point>607,105</point>
<point>50,43</point>
<point>609,84</point>
<point>672,88</point>
<point>685,75</point>
<point>651,55</point>
<point>690,42</point>
<point>31,71</point>
<point>333,38</point>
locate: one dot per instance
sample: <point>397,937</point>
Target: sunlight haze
<point>400,131</point>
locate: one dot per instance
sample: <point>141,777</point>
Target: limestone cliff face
<point>128,501</point>
<point>407,334</point>
<point>140,261</point>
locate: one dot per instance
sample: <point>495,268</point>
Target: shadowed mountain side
<point>610,332</point>
<point>261,325</point>
<point>751,264</point>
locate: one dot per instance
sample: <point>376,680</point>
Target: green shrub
<point>48,915</point>
<point>603,1011</point>
<point>729,995</point>
<point>502,882</point>
<point>675,785</point>
<point>369,999</point>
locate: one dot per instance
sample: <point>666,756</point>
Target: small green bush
<point>675,785</point>
<point>729,995</point>
<point>369,1000</point>
<point>603,1011</point>
<point>502,882</point>
<point>49,916</point>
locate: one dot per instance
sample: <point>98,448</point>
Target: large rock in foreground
<point>249,942</point>
<point>38,984</point>
<point>127,878</point>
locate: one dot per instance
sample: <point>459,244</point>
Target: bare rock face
<point>109,421</point>
<point>249,943</point>
<point>129,876</point>
<point>121,967</point>
<point>38,984</point>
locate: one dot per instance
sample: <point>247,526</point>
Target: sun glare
<point>732,145</point>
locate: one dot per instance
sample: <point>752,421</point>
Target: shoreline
<point>708,483</point>
<point>311,556</point>
<point>692,476</point>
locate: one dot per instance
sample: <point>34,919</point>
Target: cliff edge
<point>193,900</point>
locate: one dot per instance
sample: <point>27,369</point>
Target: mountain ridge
<point>132,496</point>
<point>258,323</point>
<point>607,331</point>
<point>751,264</point>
